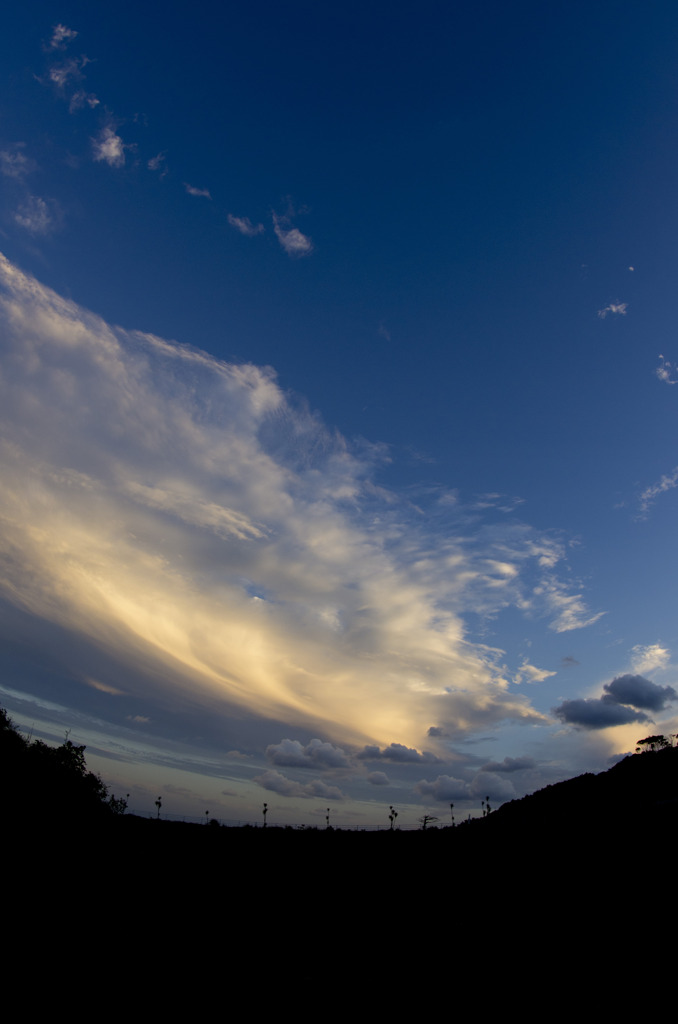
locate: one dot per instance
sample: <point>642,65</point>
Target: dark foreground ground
<point>560,904</point>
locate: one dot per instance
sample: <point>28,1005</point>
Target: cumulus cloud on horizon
<point>316,754</point>
<point>510,764</point>
<point>625,699</point>
<point>188,518</point>
<point>278,783</point>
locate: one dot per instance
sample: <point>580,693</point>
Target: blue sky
<point>338,420</point>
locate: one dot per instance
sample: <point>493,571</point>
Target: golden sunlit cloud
<point>187,515</point>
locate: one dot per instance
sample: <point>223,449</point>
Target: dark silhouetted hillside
<point>638,795</point>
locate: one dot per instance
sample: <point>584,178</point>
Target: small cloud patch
<point>614,309</point>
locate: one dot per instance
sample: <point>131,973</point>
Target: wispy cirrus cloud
<point>190,522</point>
<point>81,99</point>
<point>650,494</point>
<point>245,226</point>
<point>61,75</point>
<point>666,373</point>
<point>64,74</point>
<point>37,215</point>
<point>614,309</point>
<point>531,674</point>
<point>158,163</point>
<point>569,611</point>
<point>108,147</point>
<point>204,193</point>
<point>14,163</point>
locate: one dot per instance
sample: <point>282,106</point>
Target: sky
<point>336,393</point>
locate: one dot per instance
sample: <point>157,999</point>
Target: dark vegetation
<point>50,784</point>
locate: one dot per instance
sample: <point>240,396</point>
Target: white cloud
<point>616,308</point>
<point>184,518</point>
<point>531,674</point>
<point>193,191</point>
<point>291,239</point>
<point>569,610</point>
<point>648,657</point>
<point>665,371</point>
<point>61,37</point>
<point>36,215</point>
<point>109,148</point>
<point>245,226</point>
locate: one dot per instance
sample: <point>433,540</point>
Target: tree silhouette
<point>652,743</point>
<point>53,782</point>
